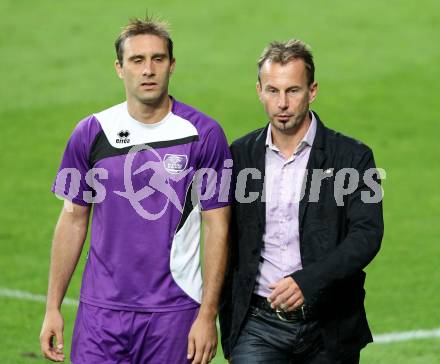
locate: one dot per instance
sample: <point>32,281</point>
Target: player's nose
<point>148,68</point>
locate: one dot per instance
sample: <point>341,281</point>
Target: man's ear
<point>259,90</point>
<point>119,71</point>
<point>173,65</point>
<point>313,92</point>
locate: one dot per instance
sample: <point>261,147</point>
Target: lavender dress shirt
<point>280,255</point>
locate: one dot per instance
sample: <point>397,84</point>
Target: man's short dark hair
<point>139,27</point>
<point>283,52</point>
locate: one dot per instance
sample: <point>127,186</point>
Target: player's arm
<point>202,340</point>
<point>69,237</point>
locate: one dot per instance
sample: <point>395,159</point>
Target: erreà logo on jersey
<point>123,137</point>
<point>175,163</point>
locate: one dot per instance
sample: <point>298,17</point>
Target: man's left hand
<point>286,295</point>
<point>202,340</point>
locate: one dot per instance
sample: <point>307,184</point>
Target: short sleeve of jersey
<point>215,164</point>
<point>70,182</point>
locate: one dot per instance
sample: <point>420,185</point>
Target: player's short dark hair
<point>283,52</point>
<point>138,27</point>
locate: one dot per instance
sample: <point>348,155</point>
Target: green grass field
<point>378,68</point>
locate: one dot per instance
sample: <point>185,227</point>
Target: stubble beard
<point>153,100</point>
<point>291,126</point>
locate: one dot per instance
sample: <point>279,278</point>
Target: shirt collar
<point>307,140</point>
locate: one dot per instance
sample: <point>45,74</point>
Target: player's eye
<point>137,60</point>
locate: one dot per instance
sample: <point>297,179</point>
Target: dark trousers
<point>265,339</point>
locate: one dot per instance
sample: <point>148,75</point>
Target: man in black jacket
<point>307,220</point>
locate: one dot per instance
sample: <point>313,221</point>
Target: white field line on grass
<point>378,339</point>
<point>393,337</point>
<point>27,296</point>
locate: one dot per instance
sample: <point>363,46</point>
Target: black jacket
<point>336,242</point>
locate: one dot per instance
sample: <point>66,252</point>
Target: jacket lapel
<point>259,159</point>
<point>317,159</point>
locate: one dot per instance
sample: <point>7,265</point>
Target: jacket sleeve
<point>362,242</point>
<point>226,298</point>
<point>226,303</point>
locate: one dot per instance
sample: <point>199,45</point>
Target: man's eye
<point>158,59</point>
<point>137,60</point>
<point>272,91</point>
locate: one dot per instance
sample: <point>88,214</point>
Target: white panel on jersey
<point>185,256</point>
<point>123,131</point>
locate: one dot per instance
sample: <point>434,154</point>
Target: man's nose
<point>148,68</point>
<point>283,102</point>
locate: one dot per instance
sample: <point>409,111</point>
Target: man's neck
<point>149,113</point>
<point>288,142</point>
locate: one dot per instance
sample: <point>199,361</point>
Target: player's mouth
<point>148,85</point>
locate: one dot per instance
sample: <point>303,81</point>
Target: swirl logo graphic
<point>159,182</point>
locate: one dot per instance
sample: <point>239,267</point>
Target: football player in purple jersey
<point>138,165</point>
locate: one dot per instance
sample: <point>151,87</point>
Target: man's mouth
<point>283,117</point>
<point>148,84</point>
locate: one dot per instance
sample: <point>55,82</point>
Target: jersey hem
<point>60,193</point>
<point>213,206</point>
<point>125,307</point>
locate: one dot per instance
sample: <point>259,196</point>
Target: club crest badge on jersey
<point>175,163</point>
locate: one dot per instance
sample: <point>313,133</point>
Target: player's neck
<point>149,113</point>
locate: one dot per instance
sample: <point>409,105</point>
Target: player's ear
<point>118,68</point>
<point>172,65</point>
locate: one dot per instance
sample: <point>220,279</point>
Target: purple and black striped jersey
<point>145,229</point>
